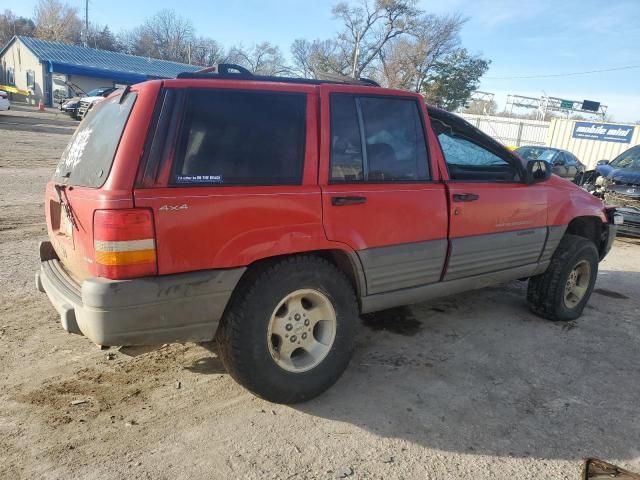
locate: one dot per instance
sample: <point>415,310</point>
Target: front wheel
<point>562,292</point>
<point>288,333</point>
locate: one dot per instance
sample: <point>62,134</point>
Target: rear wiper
<point>68,211</point>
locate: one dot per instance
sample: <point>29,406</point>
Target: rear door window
<point>89,155</point>
<point>241,138</point>
<point>376,140</point>
<point>396,149</point>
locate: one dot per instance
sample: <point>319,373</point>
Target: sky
<point>522,38</point>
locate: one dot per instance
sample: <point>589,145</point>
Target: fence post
<point>519,138</point>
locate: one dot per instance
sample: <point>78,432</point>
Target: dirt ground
<point>471,387</point>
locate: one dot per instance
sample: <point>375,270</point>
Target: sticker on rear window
<point>199,179</point>
<point>73,153</point>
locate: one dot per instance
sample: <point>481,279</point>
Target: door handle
<point>341,201</point>
<point>465,197</point>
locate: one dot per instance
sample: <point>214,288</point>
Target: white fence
<point>511,131</point>
<point>558,133</point>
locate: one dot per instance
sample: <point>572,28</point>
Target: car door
<point>497,222</point>
<point>379,196</point>
<point>562,166</point>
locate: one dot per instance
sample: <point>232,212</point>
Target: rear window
<point>241,138</point>
<point>88,157</point>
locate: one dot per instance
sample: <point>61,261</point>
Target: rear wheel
<point>562,292</point>
<point>288,333</point>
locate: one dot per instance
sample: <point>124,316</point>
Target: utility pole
<point>86,23</point>
<point>356,56</point>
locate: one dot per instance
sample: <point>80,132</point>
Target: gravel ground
<point>467,387</point>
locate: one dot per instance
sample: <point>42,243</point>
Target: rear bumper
<point>146,311</point>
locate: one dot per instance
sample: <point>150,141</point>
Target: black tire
<point>242,336</point>
<point>546,292</point>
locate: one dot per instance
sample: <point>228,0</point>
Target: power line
<point>628,67</point>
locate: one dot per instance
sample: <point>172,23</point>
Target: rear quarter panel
<point>77,253</point>
<point>216,226</point>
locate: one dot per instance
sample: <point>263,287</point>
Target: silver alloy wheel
<point>301,330</point>
<point>577,284</point>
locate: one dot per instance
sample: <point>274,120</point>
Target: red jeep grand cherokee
<point>273,211</point>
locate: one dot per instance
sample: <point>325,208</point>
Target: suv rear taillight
<point>124,243</point>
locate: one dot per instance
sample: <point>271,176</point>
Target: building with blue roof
<point>51,71</point>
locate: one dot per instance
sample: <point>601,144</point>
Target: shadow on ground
<point>483,375</point>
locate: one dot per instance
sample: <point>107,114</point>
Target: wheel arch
<point>346,261</point>
<point>591,228</point>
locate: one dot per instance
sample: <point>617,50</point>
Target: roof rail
<point>236,72</point>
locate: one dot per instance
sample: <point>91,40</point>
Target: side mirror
<point>602,162</point>
<point>538,171</point>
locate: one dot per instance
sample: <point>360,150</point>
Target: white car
<point>4,101</point>
<point>86,104</point>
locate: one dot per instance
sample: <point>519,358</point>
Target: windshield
<point>536,153</point>
<point>628,159</point>
<point>88,157</point>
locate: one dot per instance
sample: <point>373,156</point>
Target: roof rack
<point>236,72</point>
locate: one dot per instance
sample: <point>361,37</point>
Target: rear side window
<point>377,139</point>
<point>89,155</point>
<point>241,138</point>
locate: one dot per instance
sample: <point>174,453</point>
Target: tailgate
<point>79,186</point>
<point>69,212</point>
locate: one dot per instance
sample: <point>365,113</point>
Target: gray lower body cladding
<point>474,262</point>
<point>153,310</point>
<point>403,266</point>
<point>471,256</point>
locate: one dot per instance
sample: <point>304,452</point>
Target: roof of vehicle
<point>75,59</point>
<point>225,71</point>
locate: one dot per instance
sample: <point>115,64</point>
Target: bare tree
<point>165,35</point>
<point>206,52</point>
<point>408,61</point>
<point>11,24</point>
<point>369,26</point>
<point>57,21</point>
<point>313,59</point>
<point>263,59</point>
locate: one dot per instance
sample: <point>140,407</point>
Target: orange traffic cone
<point>41,106</point>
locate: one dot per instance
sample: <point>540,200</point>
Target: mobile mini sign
<point>605,132</point>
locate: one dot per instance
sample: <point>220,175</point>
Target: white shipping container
<point>588,151</point>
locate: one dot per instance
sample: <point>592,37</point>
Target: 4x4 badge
<point>173,208</point>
